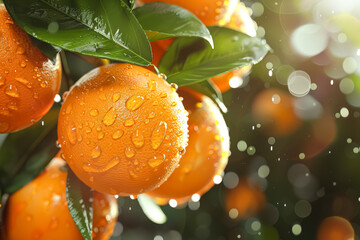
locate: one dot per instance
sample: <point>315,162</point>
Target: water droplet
<point>96,152</point>
<point>182,151</point>
<point>158,135</point>
<point>69,109</point>
<point>137,139</point>
<point>71,132</point>
<point>129,123</point>
<point>101,135</point>
<point>35,95</point>
<point>58,144</point>
<point>151,115</point>
<point>132,174</point>
<point>164,95</point>
<point>152,85</point>
<point>129,152</point>
<point>94,112</point>
<point>20,50</point>
<point>155,103</point>
<point>4,112</point>
<point>134,102</point>
<point>97,169</point>
<point>2,81</point>
<point>156,161</point>
<point>12,91</point>
<point>116,97</point>
<point>118,134</point>
<point>23,64</point>
<point>147,121</point>
<point>12,106</point>
<point>8,21</point>
<point>174,87</point>
<point>43,84</point>
<point>109,117</point>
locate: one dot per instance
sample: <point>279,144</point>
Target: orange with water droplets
<point>274,110</point>
<point>245,200</point>
<point>135,129</point>
<point>205,156</point>
<point>29,80</point>
<point>335,228</point>
<point>208,11</point>
<point>39,210</point>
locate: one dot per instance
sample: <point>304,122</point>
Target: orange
<point>245,200</point>
<point>39,210</point>
<point>240,21</point>
<point>335,228</point>
<point>206,155</point>
<point>274,110</point>
<point>122,129</point>
<point>29,80</point>
<point>208,11</point>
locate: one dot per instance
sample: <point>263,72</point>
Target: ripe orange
<point>29,80</point>
<point>208,11</point>
<point>206,155</point>
<point>244,201</point>
<point>39,210</point>
<point>122,129</point>
<point>274,110</point>
<point>335,228</point>
<point>240,21</point>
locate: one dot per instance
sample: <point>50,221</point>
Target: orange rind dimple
<point>40,210</point>
<point>122,128</point>
<point>206,155</point>
<point>29,80</point>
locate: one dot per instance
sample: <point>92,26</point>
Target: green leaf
<point>162,20</point>
<point>151,209</point>
<point>208,88</point>
<point>24,154</point>
<point>79,199</point>
<point>130,3</point>
<point>188,61</point>
<point>99,28</point>
<point>49,50</point>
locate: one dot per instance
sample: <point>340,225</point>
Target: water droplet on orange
<point>8,21</point>
<point>98,169</point>
<point>118,134</point>
<point>96,152</point>
<point>101,135</point>
<point>156,160</point>
<point>12,91</point>
<point>155,103</point>
<point>69,109</point>
<point>94,112</point>
<point>54,223</point>
<point>152,85</point>
<point>129,152</point>
<point>151,115</point>
<point>164,95</point>
<point>71,132</point>
<point>158,135</point>
<point>116,97</point>
<point>2,81</point>
<point>109,117</point>
<point>174,87</point>
<point>137,139</point>
<point>132,174</point>
<point>134,102</point>
<point>20,50</point>
<point>23,64</point>
<point>129,122</point>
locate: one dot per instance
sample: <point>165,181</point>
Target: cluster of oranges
<point>123,130</point>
